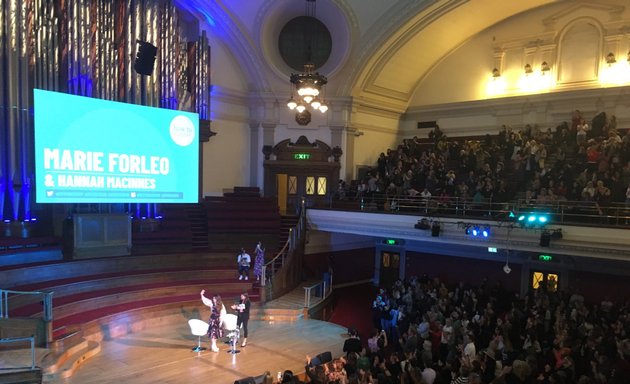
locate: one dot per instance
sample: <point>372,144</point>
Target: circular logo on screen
<point>182,130</point>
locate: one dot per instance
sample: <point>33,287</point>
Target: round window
<point>302,40</point>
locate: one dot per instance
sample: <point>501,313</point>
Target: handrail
<point>47,302</point>
<point>270,268</point>
<point>326,289</point>
<point>563,211</point>
<point>16,339</point>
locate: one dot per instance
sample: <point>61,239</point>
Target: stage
<point>163,355</point>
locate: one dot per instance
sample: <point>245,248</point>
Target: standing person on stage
<point>215,328</point>
<point>243,260</point>
<point>259,260</point>
<point>242,316</point>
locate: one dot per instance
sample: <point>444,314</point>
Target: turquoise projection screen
<point>96,151</point>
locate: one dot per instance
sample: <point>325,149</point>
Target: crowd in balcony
<point>576,161</point>
<point>426,332</point>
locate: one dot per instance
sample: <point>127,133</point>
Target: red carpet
<point>353,308</point>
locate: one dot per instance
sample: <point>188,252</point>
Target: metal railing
<point>322,289</point>
<point>562,212</point>
<point>6,294</point>
<point>31,339</point>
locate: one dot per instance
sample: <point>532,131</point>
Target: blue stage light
<point>486,232</point>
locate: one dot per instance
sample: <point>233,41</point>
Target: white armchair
<point>198,328</point>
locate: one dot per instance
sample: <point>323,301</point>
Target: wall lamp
<point>496,73</point>
<point>544,67</point>
<point>528,69</point>
<point>610,58</point>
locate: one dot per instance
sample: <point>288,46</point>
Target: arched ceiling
<point>386,62</point>
<point>393,70</point>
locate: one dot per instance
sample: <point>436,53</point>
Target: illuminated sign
<point>545,258</point>
<point>302,156</point>
<point>492,250</point>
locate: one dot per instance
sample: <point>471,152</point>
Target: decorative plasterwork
<point>394,70</point>
<point>613,10</point>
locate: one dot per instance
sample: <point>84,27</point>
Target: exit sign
<point>302,156</point>
<point>545,258</point>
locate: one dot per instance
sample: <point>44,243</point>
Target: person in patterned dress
<point>215,324</point>
<point>259,260</point>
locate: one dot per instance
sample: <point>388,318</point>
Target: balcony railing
<point>561,212</point>
<point>6,295</point>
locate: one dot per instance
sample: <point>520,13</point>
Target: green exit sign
<point>545,258</point>
<point>302,156</point>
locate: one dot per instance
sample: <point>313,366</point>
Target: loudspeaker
<point>145,58</point>
<point>545,238</point>
<point>435,230</point>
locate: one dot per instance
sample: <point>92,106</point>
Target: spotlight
<point>467,230</point>
<point>475,231</point>
<point>423,224</point>
<point>533,219</point>
<point>485,232</point>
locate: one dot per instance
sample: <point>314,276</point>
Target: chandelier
<point>309,84</point>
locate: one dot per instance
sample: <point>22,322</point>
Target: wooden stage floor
<point>163,355</point>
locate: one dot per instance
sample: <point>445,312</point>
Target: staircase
<point>289,307</point>
<point>286,222</point>
<point>198,226</point>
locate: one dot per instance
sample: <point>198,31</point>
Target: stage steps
<point>61,363</point>
<point>90,308</point>
<point>289,307</point>
<point>198,225</point>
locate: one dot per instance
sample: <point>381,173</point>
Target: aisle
<point>353,308</point>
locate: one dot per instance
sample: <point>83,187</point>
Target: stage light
<point>534,219</point>
<point>475,231</point>
<point>485,232</point>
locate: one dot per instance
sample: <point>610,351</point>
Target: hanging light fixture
<point>308,84</point>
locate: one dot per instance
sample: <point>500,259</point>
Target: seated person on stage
<point>243,260</point>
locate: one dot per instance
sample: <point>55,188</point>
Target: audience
<point>576,162</point>
<point>485,334</point>
<point>429,333</point>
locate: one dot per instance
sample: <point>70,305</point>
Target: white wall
<point>226,156</point>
